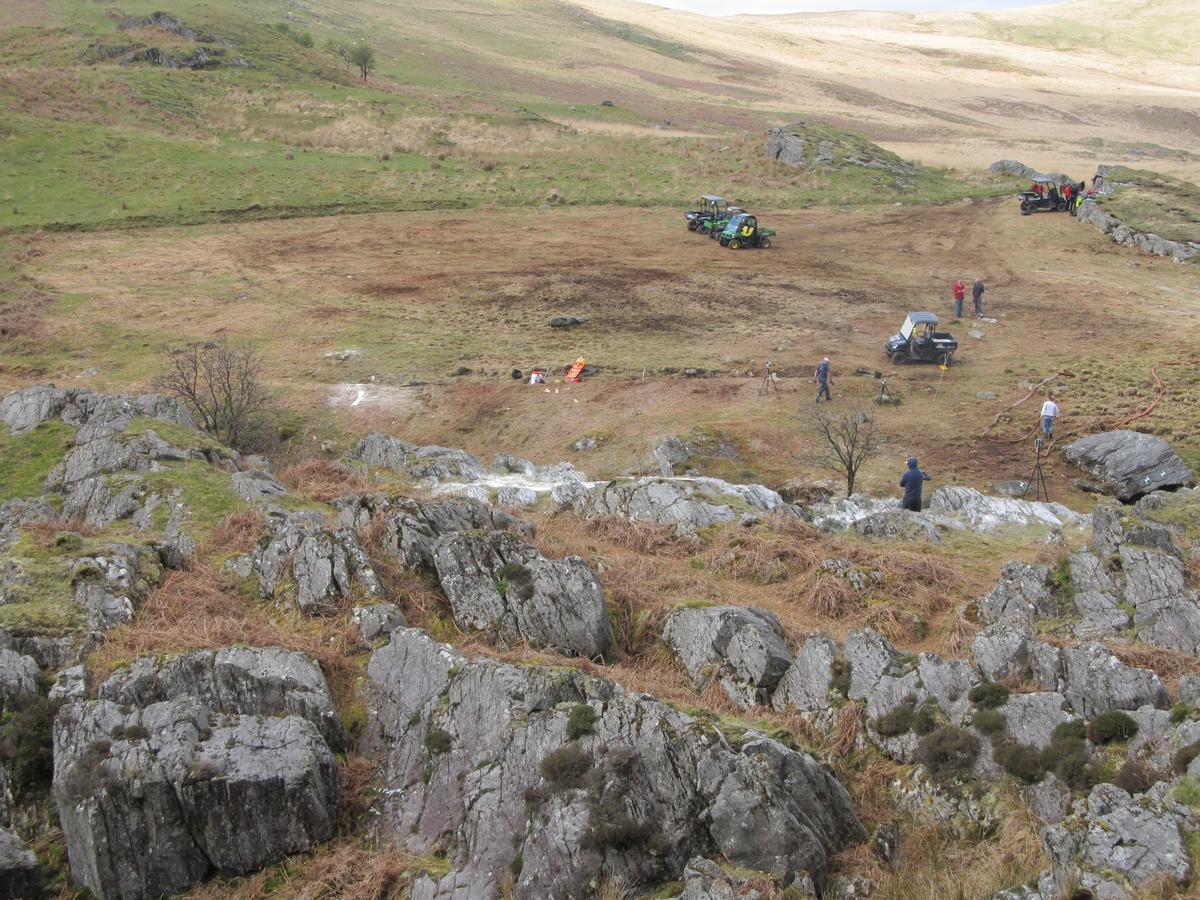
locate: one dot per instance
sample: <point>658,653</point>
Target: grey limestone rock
<point>1114,525</point>
<point>686,504</point>
<point>898,525</point>
<point>1129,463</point>
<point>254,485</point>
<point>1097,681</point>
<point>741,647</point>
<point>376,621</point>
<point>19,676</point>
<point>497,581</point>
<point>153,800</point>
<point>432,464</point>
<point>1032,718</point>
<point>71,684</point>
<point>1022,595</point>
<point>412,528</point>
<point>1113,843</point>
<point>324,564</point>
<point>261,681</point>
<point>20,877</point>
<point>805,686</point>
<point>475,758</point>
<point>1097,598</point>
<point>111,586</point>
<point>16,514</point>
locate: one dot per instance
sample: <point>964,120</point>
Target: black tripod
<point>769,382</point>
<point>1037,480</point>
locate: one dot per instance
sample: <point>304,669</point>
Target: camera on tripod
<point>1039,443</point>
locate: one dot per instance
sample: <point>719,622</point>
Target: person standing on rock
<point>821,376</point>
<point>912,481</point>
<point>977,296</point>
<point>1049,414</point>
<point>960,293</point>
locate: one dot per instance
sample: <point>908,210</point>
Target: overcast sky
<point>734,7</point>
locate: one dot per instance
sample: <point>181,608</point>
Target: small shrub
<point>840,672</point>
<point>517,864</point>
<point>1067,757</point>
<point>948,753</point>
<point>925,720</point>
<point>580,721</point>
<point>68,542</point>
<point>517,580</point>
<point>619,832</point>
<point>897,722</point>
<point>1181,712</point>
<point>1187,792</point>
<point>437,741</point>
<point>565,768</point>
<point>1183,757</point>
<point>990,721</point>
<point>1136,777</point>
<point>1019,760</point>
<point>426,773</point>
<point>989,695</point>
<point>1075,729</point>
<point>1111,726</point>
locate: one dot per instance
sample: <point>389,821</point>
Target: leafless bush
<point>221,385</point>
<point>844,441</point>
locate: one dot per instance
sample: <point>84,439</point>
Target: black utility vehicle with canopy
<point>1047,199</point>
<point>920,341</point>
<point>711,207</point>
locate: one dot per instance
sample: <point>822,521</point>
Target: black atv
<point>920,341</point>
<point>1048,199</point>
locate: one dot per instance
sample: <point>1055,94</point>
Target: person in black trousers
<point>912,481</point>
<point>977,296</point>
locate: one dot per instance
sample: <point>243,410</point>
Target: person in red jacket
<point>960,293</point>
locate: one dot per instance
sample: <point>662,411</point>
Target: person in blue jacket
<point>911,481</point>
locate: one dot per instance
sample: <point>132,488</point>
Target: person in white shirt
<point>1049,414</point>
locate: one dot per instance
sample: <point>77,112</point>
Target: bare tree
<point>844,441</point>
<point>221,385</point>
<point>362,58</point>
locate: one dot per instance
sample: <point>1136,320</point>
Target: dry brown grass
<point>44,532</point>
<point>933,863</point>
<point>344,869</point>
<point>323,479</point>
<point>200,607</point>
<point>239,533</point>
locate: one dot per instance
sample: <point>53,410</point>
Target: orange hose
<point>1149,409</point>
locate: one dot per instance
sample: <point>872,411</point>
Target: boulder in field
<point>1129,464</point>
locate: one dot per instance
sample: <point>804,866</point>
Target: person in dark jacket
<point>977,296</point>
<point>821,376</point>
<point>911,481</point>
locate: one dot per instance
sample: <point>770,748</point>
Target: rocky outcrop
<point>412,528</point>
<point>20,878</point>
<point>376,621</point>
<point>804,144</point>
<point>1097,681</point>
<point>213,762</point>
<point>1093,213</point>
<point>153,800</point>
<point>260,681</point>
<point>898,525</point>
<point>19,677</point>
<point>16,514</point>
<point>1021,596</point>
<point>1010,652</point>
<point>495,762</point>
<point>805,687</point>
<point>111,586</point>
<point>1129,464</point>
<point>323,564</point>
<point>430,464</point>
<point>687,504</point>
<point>497,582</point>
<point>742,648</point>
<point>1114,843</point>
<point>22,410</point>
<point>980,512</point>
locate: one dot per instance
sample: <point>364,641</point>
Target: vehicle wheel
<point>1062,206</point>
<point>735,244</point>
<point>703,229</point>
<point>945,359</point>
<point>765,242</point>
<point>724,243</point>
<point>691,226</point>
<point>1026,209</point>
<point>899,357</point>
